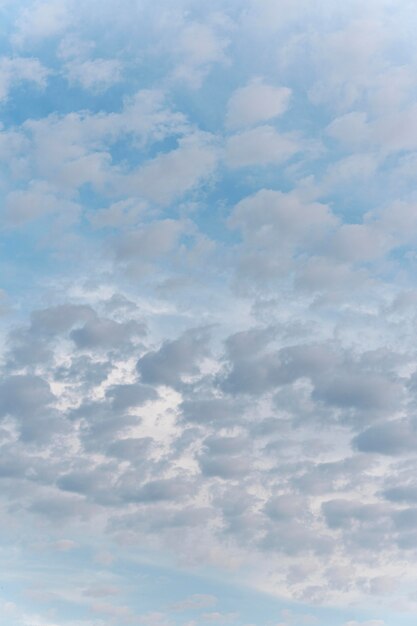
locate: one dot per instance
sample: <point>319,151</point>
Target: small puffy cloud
<point>103,333</point>
<point>256,102</point>
<point>16,70</point>
<point>121,214</point>
<point>148,117</point>
<point>199,46</point>
<point>357,168</point>
<point>268,215</point>
<point>174,359</point>
<point>41,20</point>
<point>351,129</point>
<point>259,146</point>
<point>94,74</point>
<point>347,62</point>
<point>150,242</point>
<point>39,200</point>
<point>171,174</point>
<point>274,227</point>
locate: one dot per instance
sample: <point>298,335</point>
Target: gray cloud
<point>105,333</point>
<point>402,493</point>
<point>131,449</point>
<point>174,359</point>
<point>59,319</point>
<point>391,438</point>
<point>232,467</point>
<point>208,410</point>
<point>126,396</point>
<point>24,396</point>
<point>362,391</point>
<point>161,490</point>
<point>343,513</point>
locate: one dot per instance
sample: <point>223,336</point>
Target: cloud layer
<point>208,312</point>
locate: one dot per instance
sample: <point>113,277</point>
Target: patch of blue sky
<point>31,102</point>
<point>26,101</point>
<point>24,261</point>
<point>8,13</point>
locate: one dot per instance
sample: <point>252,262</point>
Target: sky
<point>208,313</point>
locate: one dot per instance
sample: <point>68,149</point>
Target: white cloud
<point>172,174</point>
<point>15,70</point>
<point>151,241</point>
<point>270,216</point>
<point>260,146</point>
<point>94,74</point>
<point>268,16</point>
<point>351,128</point>
<point>256,102</point>
<point>199,46</point>
<point>359,242</point>
<point>119,214</point>
<point>40,20</point>
<point>38,200</point>
<point>66,152</point>
<point>346,61</point>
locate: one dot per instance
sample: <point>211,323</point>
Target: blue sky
<point>208,313</point>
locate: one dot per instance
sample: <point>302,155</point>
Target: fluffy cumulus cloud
<point>208,311</point>
<point>255,103</point>
<point>15,70</point>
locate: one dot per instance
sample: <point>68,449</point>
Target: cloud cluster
<point>208,315</point>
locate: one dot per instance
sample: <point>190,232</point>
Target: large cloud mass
<point>208,311</point>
